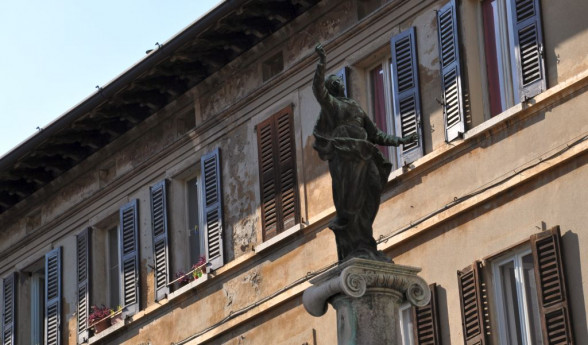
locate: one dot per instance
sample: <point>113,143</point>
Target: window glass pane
<point>531,299</point>
<point>379,103</point>
<point>406,326</point>
<point>113,272</point>
<point>493,50</point>
<point>193,221</point>
<point>511,303</point>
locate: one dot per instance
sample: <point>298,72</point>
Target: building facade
<point>186,197</point>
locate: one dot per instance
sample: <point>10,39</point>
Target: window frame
<point>516,257</point>
<point>386,64</point>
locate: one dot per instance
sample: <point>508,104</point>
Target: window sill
<point>97,337</point>
<point>278,238</point>
<point>191,285</point>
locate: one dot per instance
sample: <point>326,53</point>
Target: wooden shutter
<point>160,239</point>
<point>405,93</point>
<point>528,47</point>
<point>551,287</point>
<point>343,73</point>
<point>451,83</point>
<point>213,208</point>
<point>53,297</point>
<point>277,171</point>
<point>9,310</point>
<point>474,307</point>
<point>425,321</point>
<point>128,249</point>
<point>83,283</point>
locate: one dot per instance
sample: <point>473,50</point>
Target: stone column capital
<point>356,277</point>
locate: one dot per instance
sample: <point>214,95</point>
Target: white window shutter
<point>53,297</point>
<point>527,45</point>
<point>129,258</point>
<point>83,283</point>
<point>451,79</point>
<point>406,95</point>
<point>213,209</point>
<point>160,239</point>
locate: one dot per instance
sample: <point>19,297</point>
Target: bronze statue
<point>346,137</point>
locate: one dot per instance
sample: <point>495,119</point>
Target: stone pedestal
<point>366,295</point>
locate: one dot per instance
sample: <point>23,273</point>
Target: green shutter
<point>9,309</point>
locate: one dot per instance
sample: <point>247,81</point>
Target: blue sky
<point>54,53</point>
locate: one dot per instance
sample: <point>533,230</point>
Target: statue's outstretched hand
<point>320,51</point>
<point>414,137</point>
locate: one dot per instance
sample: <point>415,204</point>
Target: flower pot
<point>116,319</point>
<point>102,325</point>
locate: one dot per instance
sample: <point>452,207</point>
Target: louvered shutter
<point>83,283</point>
<point>425,321</point>
<point>528,47</point>
<point>213,208</point>
<point>451,83</point>
<point>53,297</point>
<point>343,73</point>
<point>9,310</point>
<point>474,307</point>
<point>160,239</point>
<point>405,93</point>
<point>551,287</point>
<point>277,170</point>
<point>129,258</point>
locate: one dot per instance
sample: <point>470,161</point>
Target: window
<point>406,326</point>
<point>381,104</point>
<point>513,46</point>
<point>280,207</point>
<point>196,238</point>
<point>529,295</point>
<point>31,303</point>
<point>516,299</point>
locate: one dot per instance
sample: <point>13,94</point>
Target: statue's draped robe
<point>346,137</point>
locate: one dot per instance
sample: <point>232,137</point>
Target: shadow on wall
<point>576,301</point>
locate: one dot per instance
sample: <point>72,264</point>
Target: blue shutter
<point>343,74</point>
<point>451,83</point>
<point>160,239</point>
<point>53,297</point>
<point>528,47</point>
<point>406,95</point>
<point>213,209</point>
<point>9,310</point>
<point>83,283</point>
<point>129,258</point>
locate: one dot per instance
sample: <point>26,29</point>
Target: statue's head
<point>335,86</point>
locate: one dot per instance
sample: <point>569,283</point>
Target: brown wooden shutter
<point>129,258</point>
<point>425,321</point>
<point>449,59</point>
<point>551,287</point>
<point>160,239</point>
<point>406,94</point>
<point>9,309</point>
<point>528,47</point>
<point>83,285</point>
<point>53,297</point>
<point>277,170</point>
<point>213,208</point>
<point>474,306</point>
